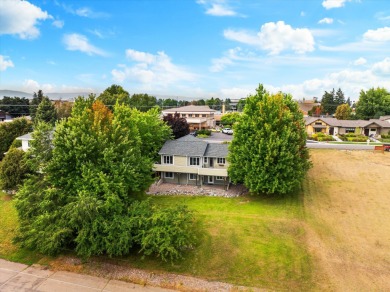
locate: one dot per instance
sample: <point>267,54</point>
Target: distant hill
<point>51,95</point>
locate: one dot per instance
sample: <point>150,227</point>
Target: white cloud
<point>382,68</point>
<point>5,62</point>
<point>303,13</point>
<point>21,18</point>
<point>78,42</point>
<point>275,38</point>
<point>151,71</point>
<point>360,61</point>
<point>140,56</point>
<point>328,4</point>
<point>30,85</point>
<point>58,23</point>
<point>82,11</point>
<point>378,35</point>
<point>326,20</point>
<point>217,8</point>
<point>236,54</point>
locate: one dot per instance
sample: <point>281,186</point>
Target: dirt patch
<point>347,205</point>
<point>216,191</point>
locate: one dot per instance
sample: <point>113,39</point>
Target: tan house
<point>191,161</point>
<point>333,126</point>
<point>198,116</point>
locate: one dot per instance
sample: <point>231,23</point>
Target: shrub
<point>204,132</point>
<point>13,169</point>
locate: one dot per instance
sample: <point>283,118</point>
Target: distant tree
<point>349,101</point>
<point>328,102</point>
<point>229,119</point>
<point>268,152</point>
<point>46,112</point>
<point>201,102</point>
<point>373,103</point>
<point>241,104</point>
<point>143,102</point>
<point>178,125</point>
<point>15,106</point>
<point>34,103</point>
<point>315,111</point>
<point>339,97</point>
<point>343,112</point>
<point>63,108</point>
<point>114,93</point>
<point>13,169</point>
<point>214,103</point>
<point>169,102</point>
<point>10,131</point>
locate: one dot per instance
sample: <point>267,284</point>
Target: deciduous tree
<point>230,118</point>
<point>373,103</point>
<point>15,106</point>
<point>143,102</point>
<point>10,131</point>
<point>113,94</point>
<point>268,152</point>
<point>178,125</point>
<point>13,169</point>
<point>343,112</point>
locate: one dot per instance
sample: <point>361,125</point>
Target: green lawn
<point>247,241</point>
<point>8,225</point>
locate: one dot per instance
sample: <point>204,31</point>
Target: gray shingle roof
<point>216,150</point>
<point>184,146</point>
<point>191,146</point>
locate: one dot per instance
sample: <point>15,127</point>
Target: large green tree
<point>373,103</point>
<point>230,118</point>
<point>268,152</point>
<point>83,195</point>
<point>34,103</point>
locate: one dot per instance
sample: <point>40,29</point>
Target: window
<point>221,160</point>
<point>318,123</point>
<point>168,174</point>
<point>192,176</point>
<point>204,115</point>
<point>183,115</point>
<point>168,159</point>
<point>190,115</point>
<point>219,177</point>
<point>205,160</point>
<point>194,160</point>
<point>350,130</point>
<point>196,116</point>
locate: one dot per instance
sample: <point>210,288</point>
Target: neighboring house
<point>198,116</point>
<point>333,126</point>
<point>191,161</point>
<point>25,141</point>
<point>306,105</point>
<point>385,118</point>
<point>5,117</point>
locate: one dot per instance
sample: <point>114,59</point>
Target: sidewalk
<point>20,277</point>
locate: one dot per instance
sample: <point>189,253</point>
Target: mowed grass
<point>247,241</point>
<point>8,225</point>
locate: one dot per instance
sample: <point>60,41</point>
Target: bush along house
<point>191,161</point>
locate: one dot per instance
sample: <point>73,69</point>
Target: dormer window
<point>221,160</point>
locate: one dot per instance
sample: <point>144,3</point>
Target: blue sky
<point>195,48</point>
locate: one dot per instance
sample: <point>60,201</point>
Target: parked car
<point>227,131</point>
<point>386,147</point>
<point>194,133</point>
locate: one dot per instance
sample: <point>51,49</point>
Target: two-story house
<point>189,160</point>
<point>198,116</point>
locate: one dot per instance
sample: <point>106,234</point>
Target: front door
<point>331,131</point>
<point>211,163</point>
<point>210,179</point>
<point>366,132</point>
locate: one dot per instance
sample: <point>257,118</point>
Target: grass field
<point>334,236</point>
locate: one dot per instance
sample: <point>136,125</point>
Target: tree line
<point>371,104</point>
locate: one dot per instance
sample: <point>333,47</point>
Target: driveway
<point>20,277</point>
<point>217,137</point>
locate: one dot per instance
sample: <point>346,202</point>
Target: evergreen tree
<point>13,169</point>
<point>37,98</point>
<point>268,152</point>
<point>46,112</point>
<point>339,98</point>
<point>328,102</point>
